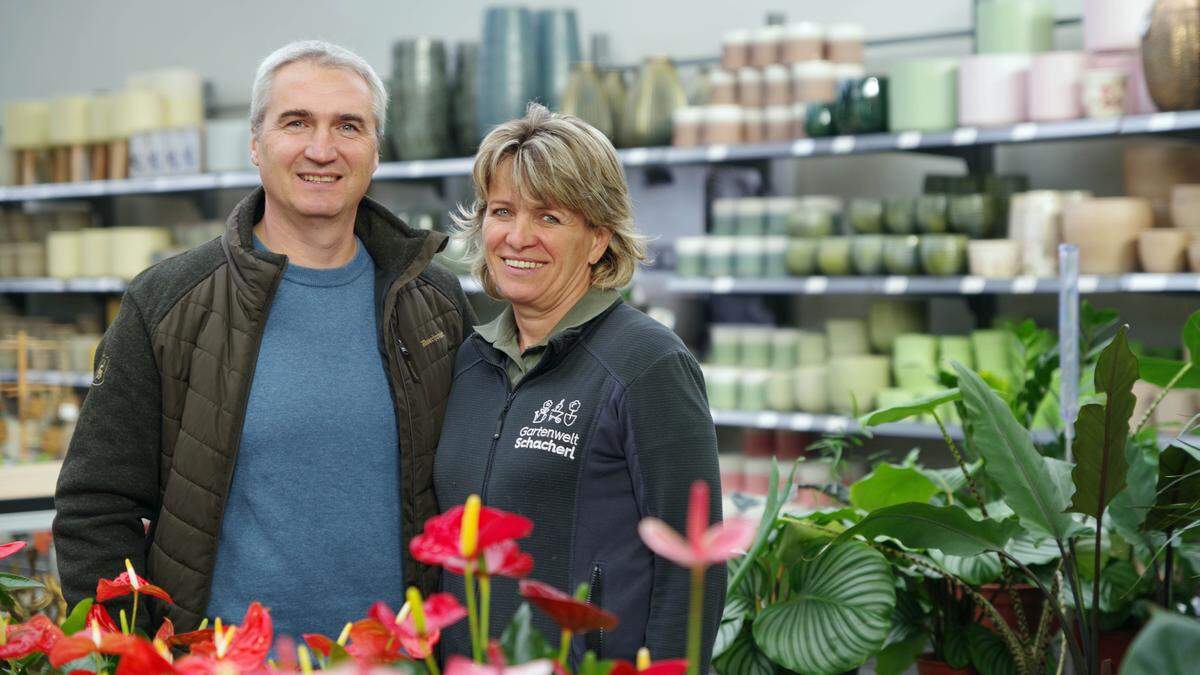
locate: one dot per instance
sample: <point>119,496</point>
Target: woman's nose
<point>521,234</point>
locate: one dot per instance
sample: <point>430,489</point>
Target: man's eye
<point>295,123</point>
<point>349,127</point>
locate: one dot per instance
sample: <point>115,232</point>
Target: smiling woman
<point>572,408</point>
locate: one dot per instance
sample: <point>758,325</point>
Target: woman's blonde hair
<point>560,160</point>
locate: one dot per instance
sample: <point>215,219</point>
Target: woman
<point>572,408</point>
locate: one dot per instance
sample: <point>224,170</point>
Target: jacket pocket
<point>595,639</point>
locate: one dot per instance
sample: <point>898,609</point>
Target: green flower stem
<point>1161,395</point>
<point>432,665</point>
<point>962,464</point>
<point>133,618</point>
<point>472,615</point>
<point>695,610</point>
<point>485,603</point>
<point>564,648</point>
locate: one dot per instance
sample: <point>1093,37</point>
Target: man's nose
<point>321,148</point>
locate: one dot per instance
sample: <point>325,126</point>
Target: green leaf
<point>1120,586</point>
<point>767,524</point>
<point>1160,372</point>
<point>1101,431</point>
<point>1033,551</point>
<point>744,657</point>
<point>1128,510</point>
<point>897,658</point>
<point>918,406</point>
<point>1011,460</point>
<point>949,480</point>
<point>1191,337</point>
<point>989,654</point>
<point>974,570</point>
<point>1178,492</point>
<point>522,642</point>
<point>727,633</point>
<point>840,614</point>
<point>1166,646</point>
<point>77,619</point>
<point>956,647</point>
<point>948,529</point>
<point>889,485</point>
<point>12,582</point>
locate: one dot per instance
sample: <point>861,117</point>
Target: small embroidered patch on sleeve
<point>101,370</point>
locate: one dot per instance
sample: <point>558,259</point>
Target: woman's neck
<point>534,324</point>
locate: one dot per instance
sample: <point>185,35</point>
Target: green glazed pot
<point>802,257</point>
<point>833,256</point>
<point>818,120</point>
<point>933,213</point>
<point>900,215</point>
<point>812,388</point>
<point>810,221</point>
<point>973,215</point>
<point>862,106</point>
<point>888,319</point>
<point>916,348</point>
<point>811,348</point>
<point>901,255</point>
<point>943,254</point>
<point>847,337</point>
<point>991,349</point>
<point>866,215</point>
<point>955,348</point>
<point>867,254</point>
<point>923,95</point>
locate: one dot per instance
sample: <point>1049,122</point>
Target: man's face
<point>316,149</point>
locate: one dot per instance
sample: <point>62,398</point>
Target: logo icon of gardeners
<point>554,412</point>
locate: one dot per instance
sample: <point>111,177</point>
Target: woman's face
<point>539,256</point>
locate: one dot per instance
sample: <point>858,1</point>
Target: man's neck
<point>533,324</point>
<point>313,243</point>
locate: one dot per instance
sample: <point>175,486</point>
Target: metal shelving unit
<point>824,424</point>
<point>921,285</point>
<point>116,285</point>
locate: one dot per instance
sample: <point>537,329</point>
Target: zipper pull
<point>406,357</point>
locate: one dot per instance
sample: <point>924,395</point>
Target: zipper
<point>487,472</point>
<point>595,596</point>
<point>406,357</point>
<point>241,419</point>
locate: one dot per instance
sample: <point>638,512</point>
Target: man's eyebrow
<point>351,117</point>
<point>296,112</point>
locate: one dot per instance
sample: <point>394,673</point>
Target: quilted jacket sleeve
<point>109,480</point>
<point>674,443</point>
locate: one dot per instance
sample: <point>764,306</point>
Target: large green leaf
<point>889,485</point>
<point>13,582</point>
<point>1120,585</point>
<point>522,642</point>
<point>918,406</point>
<point>989,654</point>
<point>1101,431</point>
<point>77,619</point>
<point>743,657</point>
<point>948,529</point>
<point>1011,460</point>
<point>1178,492</point>
<point>1166,646</point>
<point>1160,372</point>
<point>1128,510</point>
<point>775,500</point>
<point>839,615</point>
<point>898,657</point>
<point>975,570</point>
<point>1030,550</point>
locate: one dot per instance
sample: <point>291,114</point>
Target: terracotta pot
<point>927,665</point>
<point>1171,54</point>
<point>1161,250</point>
<point>1106,231</point>
<point>1031,599</point>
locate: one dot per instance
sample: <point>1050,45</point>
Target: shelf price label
<point>843,145</point>
<point>965,136</point>
<point>717,153</point>
<point>1089,283</point>
<point>637,157</point>
<point>767,420</point>
<point>416,169</point>
<point>895,285</point>
<point>803,147</point>
<point>1024,132</point>
<point>1145,283</point>
<point>908,140</point>
<point>800,422</point>
<point>971,285</point>
<point>816,285</point>
<point>1024,285</point>
<point>1162,122</point>
<point>722,285</point>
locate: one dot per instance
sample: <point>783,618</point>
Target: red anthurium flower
<point>570,614</point>
<point>36,636</point>
<point>668,667</point>
<point>440,610</point>
<point>461,665</point>
<point>440,542</point>
<point>372,643</point>
<point>10,548</point>
<point>127,583</point>
<point>99,616</point>
<point>319,643</point>
<point>89,641</point>
<point>244,647</point>
<point>704,545</point>
<point>141,658</point>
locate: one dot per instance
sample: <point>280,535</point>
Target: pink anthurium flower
<point>10,548</point>
<point>461,665</point>
<point>704,545</point>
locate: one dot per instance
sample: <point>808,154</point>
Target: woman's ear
<point>602,236</point>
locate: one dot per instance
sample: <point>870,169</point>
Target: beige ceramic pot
<point>994,257</point>
<point>1106,231</point>
<point>1193,255</point>
<point>1162,250</point>
<point>1185,207</point>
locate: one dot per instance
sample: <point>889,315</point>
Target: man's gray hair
<point>323,54</point>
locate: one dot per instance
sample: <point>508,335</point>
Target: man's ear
<point>254,150</point>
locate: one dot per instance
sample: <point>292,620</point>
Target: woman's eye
<point>550,219</point>
<point>501,211</point>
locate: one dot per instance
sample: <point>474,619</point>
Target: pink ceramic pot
<point>991,89</point>
<point>1054,86</point>
<point>1113,24</point>
<point>1137,94</point>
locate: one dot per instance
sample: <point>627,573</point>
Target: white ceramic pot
<point>1104,92</point>
<point>1113,24</point>
<point>992,89</point>
<point>1161,250</point>
<point>97,256</point>
<point>1185,208</point>
<point>133,248</point>
<point>1055,86</point>
<point>994,258</point>
<point>64,254</point>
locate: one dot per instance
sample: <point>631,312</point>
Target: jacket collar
<point>398,250</point>
<point>557,347</point>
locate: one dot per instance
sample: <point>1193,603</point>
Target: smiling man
<point>271,400</point>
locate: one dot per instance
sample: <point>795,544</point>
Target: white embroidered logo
<point>549,439</point>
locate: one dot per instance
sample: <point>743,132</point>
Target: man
<point>270,402</point>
